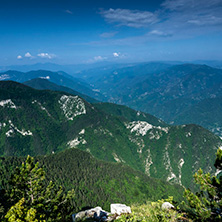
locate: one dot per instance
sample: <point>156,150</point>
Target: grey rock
<point>97,213</point>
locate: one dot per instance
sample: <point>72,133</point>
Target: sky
<point>90,31</point>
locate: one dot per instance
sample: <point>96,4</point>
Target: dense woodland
<point>95,182</point>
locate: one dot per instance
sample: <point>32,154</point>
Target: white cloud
<point>159,33</point>
<point>28,55</point>
<point>108,34</point>
<point>131,18</point>
<point>46,55</point>
<point>96,59</point>
<point>181,5</point>
<point>19,57</point>
<point>193,12</point>
<point>116,54</point>
<point>174,18</point>
<point>99,58</point>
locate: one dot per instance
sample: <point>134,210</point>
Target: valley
<point>40,122</point>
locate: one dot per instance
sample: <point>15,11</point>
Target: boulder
<point>120,209</point>
<point>97,213</point>
<point>167,206</point>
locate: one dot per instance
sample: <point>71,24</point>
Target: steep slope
<point>114,81</point>
<point>206,113</point>
<point>46,84</point>
<point>39,122</point>
<point>129,114</point>
<point>171,94</point>
<point>96,183</point>
<point>59,78</point>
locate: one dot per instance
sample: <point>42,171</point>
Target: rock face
<point>98,214</point>
<point>167,206</point>
<point>120,209</point>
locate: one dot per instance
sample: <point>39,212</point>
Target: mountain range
<point>59,78</point>
<point>43,122</point>
<point>178,94</point>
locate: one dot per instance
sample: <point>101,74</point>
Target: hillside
<point>46,84</point>
<point>39,122</point>
<point>59,78</point>
<point>171,93</point>
<point>96,183</point>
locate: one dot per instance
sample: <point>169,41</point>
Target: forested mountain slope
<point>39,122</point>
<point>59,78</point>
<point>42,84</point>
<point>95,182</point>
<point>172,93</point>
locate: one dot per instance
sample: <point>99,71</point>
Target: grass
<point>152,212</point>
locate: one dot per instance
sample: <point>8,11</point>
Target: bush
<point>206,205</point>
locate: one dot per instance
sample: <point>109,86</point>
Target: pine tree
<point>206,205</point>
<point>32,200</point>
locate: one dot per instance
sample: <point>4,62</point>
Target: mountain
<point>40,122</point>
<point>172,94</point>
<point>96,182</point>
<point>118,80</point>
<point>126,113</point>
<point>46,84</point>
<point>59,78</point>
<point>72,69</point>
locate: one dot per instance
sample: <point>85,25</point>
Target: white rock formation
<point>8,103</point>
<point>120,209</point>
<point>167,206</point>
<point>72,106</point>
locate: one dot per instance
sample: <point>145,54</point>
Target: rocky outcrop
<point>98,214</point>
<point>167,206</point>
<point>120,209</point>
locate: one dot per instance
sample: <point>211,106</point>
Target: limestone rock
<point>120,209</point>
<point>167,206</point>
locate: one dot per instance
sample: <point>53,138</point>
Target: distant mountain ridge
<point>59,78</point>
<point>40,122</point>
<point>42,84</point>
<point>170,94</point>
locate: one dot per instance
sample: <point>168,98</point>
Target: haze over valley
<point>106,102</point>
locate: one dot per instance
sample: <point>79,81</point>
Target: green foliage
<point>206,205</point>
<point>151,211</point>
<point>20,213</point>
<point>96,183</point>
<point>30,199</point>
<point>46,84</point>
<point>162,151</point>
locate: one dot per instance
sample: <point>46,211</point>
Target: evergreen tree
<point>30,199</point>
<point>206,205</point>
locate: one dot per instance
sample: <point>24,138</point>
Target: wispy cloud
<point>181,5</point>
<point>96,59</point>
<point>69,12</point>
<point>46,55</point>
<point>99,58</point>
<point>19,57</point>
<point>159,33</point>
<point>173,18</point>
<point>108,34</point>
<point>131,18</point>
<point>193,12</point>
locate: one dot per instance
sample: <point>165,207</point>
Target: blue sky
<point>70,31</point>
